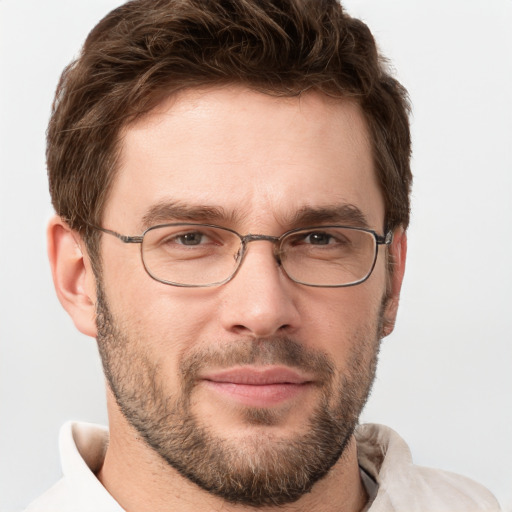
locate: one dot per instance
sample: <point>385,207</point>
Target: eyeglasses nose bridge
<point>255,238</point>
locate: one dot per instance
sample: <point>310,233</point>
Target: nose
<point>260,300</point>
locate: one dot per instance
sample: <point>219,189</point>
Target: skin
<point>261,159</point>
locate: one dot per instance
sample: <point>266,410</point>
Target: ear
<point>396,257</point>
<point>72,274</point>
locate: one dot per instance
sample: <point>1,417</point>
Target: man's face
<point>251,389</point>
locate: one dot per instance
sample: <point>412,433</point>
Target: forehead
<point>256,158</point>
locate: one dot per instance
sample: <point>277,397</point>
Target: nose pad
<point>277,256</point>
<point>239,254</point>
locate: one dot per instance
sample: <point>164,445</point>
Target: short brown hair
<point>146,50</point>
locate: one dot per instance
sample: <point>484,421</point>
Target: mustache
<point>262,351</point>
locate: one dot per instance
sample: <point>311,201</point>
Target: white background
<point>445,377</point>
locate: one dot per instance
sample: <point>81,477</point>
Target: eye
<point>176,238</point>
<point>192,238</point>
<point>318,238</point>
<point>328,239</point>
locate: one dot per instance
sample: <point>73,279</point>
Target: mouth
<point>258,386</point>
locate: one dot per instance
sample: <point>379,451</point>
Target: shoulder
<point>57,498</point>
<point>82,450</point>
<point>404,486</point>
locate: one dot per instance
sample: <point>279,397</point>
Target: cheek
<point>167,319</point>
<point>343,321</point>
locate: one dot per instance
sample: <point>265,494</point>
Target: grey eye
<point>318,238</point>
<point>194,238</point>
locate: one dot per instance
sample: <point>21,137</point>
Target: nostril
<point>243,329</point>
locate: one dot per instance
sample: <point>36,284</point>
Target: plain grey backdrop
<point>445,376</point>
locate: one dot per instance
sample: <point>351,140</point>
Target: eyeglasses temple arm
<point>386,239</point>
<point>124,238</point>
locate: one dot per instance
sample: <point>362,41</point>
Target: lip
<point>258,386</point>
<point>258,376</point>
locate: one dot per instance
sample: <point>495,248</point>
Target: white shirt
<point>393,482</point>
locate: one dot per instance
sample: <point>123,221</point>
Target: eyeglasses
<point>202,255</point>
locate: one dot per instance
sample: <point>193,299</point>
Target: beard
<point>257,469</point>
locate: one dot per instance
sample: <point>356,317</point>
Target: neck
<point>139,479</point>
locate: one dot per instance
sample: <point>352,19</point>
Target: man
<point>231,181</point>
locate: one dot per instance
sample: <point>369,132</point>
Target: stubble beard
<point>259,469</point>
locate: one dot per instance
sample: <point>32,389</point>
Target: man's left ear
<point>396,257</point>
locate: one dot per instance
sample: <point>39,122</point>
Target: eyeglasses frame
<point>385,239</point>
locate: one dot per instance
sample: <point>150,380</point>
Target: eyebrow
<point>346,214</point>
<point>169,211</point>
<point>172,211</point>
